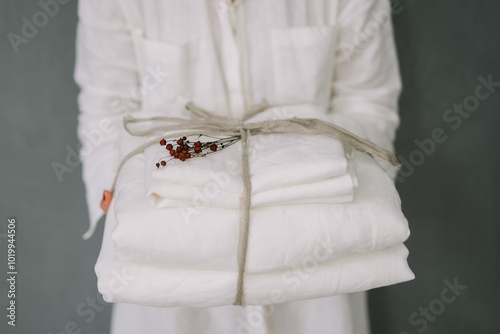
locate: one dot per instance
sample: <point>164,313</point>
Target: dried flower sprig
<point>183,149</point>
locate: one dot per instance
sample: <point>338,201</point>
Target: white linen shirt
<point>153,56</point>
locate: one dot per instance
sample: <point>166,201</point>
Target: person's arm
<point>366,83</point>
<point>106,72</point>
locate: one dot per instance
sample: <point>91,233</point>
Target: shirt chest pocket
<point>167,72</point>
<point>303,59</point>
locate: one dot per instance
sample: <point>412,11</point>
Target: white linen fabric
<point>340,314</point>
<point>337,189</point>
<point>285,169</point>
<point>206,238</point>
<point>313,274</point>
<point>137,55</point>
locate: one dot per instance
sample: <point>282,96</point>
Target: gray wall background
<point>450,195</point>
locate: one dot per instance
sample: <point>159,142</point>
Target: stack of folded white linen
<point>320,224</point>
<point>285,168</point>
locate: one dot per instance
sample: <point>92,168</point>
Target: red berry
<point>169,147</point>
<point>197,149</point>
<point>163,163</point>
<point>172,152</point>
<point>163,142</point>
<point>197,144</point>
<point>182,157</point>
<point>180,141</point>
<point>178,149</point>
<point>188,155</point>
<point>213,147</point>
<point>157,165</point>
<point>176,155</point>
<point>184,138</point>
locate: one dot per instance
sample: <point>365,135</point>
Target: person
<point>229,55</point>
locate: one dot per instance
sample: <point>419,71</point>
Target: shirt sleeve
<point>106,72</point>
<point>366,83</point>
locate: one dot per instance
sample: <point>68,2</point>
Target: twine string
<point>207,123</point>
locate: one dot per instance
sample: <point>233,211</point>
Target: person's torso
<point>228,57</point>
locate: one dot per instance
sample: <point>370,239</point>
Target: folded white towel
<point>337,189</point>
<point>207,238</point>
<point>138,283</point>
<point>187,256</point>
<point>285,168</point>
